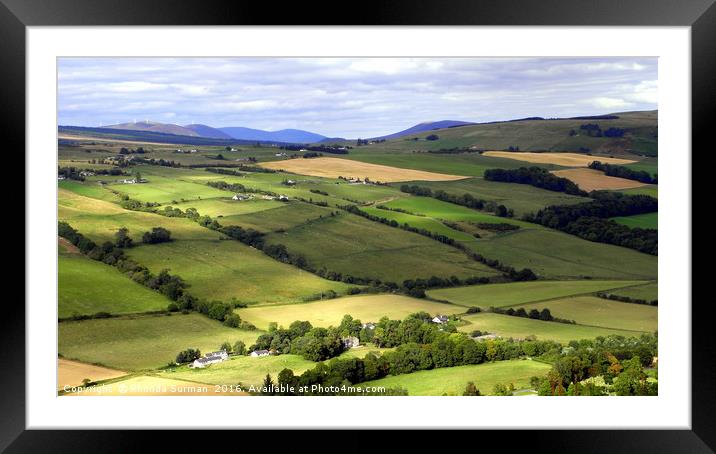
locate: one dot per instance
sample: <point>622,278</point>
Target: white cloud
<point>608,103</point>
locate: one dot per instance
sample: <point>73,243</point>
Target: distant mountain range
<point>284,135</point>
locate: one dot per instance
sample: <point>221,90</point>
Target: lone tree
<point>122,238</point>
<point>432,137</point>
<point>471,390</point>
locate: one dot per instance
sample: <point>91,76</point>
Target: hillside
<point>426,126</point>
<point>640,136</point>
<point>152,126</point>
<point>208,131</point>
<point>284,135</point>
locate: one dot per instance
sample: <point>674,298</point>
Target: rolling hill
<point>208,131</point>
<point>284,135</point>
<point>427,126</point>
<point>153,126</point>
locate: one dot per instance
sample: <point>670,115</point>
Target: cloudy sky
<point>347,97</point>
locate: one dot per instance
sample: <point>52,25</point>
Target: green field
<point>642,221</point>
<point>515,293</point>
<point>88,189</point>
<point>556,255</point>
<point>330,312</point>
<point>144,342</point>
<point>652,190</point>
<point>650,165</point>
<point>522,198</point>
<point>593,311</point>
<point>283,217</point>
<point>225,207</point>
<point>467,164</point>
<point>420,222</point>
<point>229,269</point>
<point>646,292</point>
<point>86,287</point>
<point>244,370</point>
<point>520,327</point>
<point>99,220</point>
<point>167,190</point>
<point>355,246</point>
<point>452,381</point>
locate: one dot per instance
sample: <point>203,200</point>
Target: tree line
<point>467,200</point>
<point>537,177</point>
<point>624,172</point>
<point>171,286</point>
<point>420,345</point>
<point>589,220</point>
<point>627,299</point>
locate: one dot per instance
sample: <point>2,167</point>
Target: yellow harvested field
<point>335,167</point>
<point>147,385</point>
<point>71,373</point>
<point>591,180</point>
<point>561,159</point>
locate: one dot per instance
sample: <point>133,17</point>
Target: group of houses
<point>179,150</point>
<point>210,358</point>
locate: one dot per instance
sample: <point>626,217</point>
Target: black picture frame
<point>700,15</point>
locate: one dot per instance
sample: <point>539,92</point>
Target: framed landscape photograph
<point>359,227</point>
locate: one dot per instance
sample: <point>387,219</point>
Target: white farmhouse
<point>440,319</point>
<point>258,353</point>
<point>211,358</point>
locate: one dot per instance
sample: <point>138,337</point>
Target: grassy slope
<point>593,311</point>
<point>519,327</point>
<point>225,269</point>
<point>167,190</point>
<point>522,198</point>
<point>222,207</point>
<point>100,220</point>
<point>652,190</point>
<point>284,217</point>
<point>514,293</point>
<point>144,342</point>
<point>535,135</point>
<point>330,312</point>
<point>353,245</point>
<point>242,369</point>
<point>646,292</point>
<point>86,287</point>
<point>556,255</point>
<point>453,380</point>
<point>643,221</point>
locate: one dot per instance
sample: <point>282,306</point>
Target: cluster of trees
<point>467,200</point>
<point>157,162</point>
<point>138,150</point>
<point>70,173</point>
<point>422,347</point>
<point>224,186</point>
<point>624,172</point>
<point>432,137</point>
<point>188,355</point>
<point>545,315</point>
<point>157,235</point>
<point>311,154</point>
<point>301,338</point>
<point>612,364</point>
<point>590,221</point>
<point>593,130</point>
<point>513,148</point>
<point>535,176</point>
<point>627,299</point>
<point>318,191</point>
